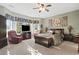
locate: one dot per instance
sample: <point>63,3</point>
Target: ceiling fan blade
<point>39,11</point>
<point>42,4</point>
<point>49,5</point>
<point>47,10</point>
<point>36,8</point>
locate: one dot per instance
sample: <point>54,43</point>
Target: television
<point>25,27</point>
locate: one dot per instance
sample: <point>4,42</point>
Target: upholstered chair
<point>13,37</point>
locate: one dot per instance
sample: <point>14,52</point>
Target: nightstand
<point>68,37</point>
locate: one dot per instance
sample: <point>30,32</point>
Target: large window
<point>10,25</point>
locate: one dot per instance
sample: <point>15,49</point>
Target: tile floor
<point>29,47</point>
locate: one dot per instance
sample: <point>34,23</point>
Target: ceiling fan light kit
<point>42,7</point>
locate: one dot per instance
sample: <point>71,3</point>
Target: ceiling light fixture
<point>42,7</point>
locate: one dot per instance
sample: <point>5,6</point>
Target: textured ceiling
<point>27,9</point>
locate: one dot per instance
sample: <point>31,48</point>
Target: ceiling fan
<point>42,7</point>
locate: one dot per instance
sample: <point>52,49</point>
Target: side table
<point>76,40</point>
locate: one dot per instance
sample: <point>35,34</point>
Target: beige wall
<point>73,20</point>
<point>4,11</point>
<point>1,10</point>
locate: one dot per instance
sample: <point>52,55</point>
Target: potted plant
<point>70,28</point>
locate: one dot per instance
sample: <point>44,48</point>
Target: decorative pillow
<point>49,31</point>
<point>58,31</point>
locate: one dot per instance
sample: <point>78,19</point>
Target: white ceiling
<point>27,9</point>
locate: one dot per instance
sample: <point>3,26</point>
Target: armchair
<point>13,37</point>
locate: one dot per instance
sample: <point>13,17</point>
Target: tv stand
<point>26,35</point>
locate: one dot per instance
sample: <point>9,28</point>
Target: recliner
<point>14,38</point>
